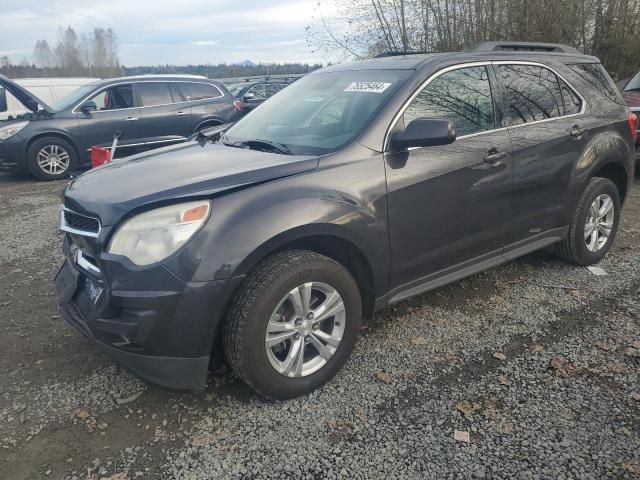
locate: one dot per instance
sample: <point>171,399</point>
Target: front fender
<point>343,200</point>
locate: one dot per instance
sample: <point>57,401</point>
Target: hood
<point>190,169</point>
<point>29,100</point>
<point>632,98</point>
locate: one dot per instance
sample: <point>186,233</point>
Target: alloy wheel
<point>305,329</point>
<point>599,223</point>
<point>53,159</point>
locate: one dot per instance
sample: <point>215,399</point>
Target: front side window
<point>462,96</point>
<point>199,91</point>
<point>114,98</point>
<point>533,91</point>
<point>154,93</point>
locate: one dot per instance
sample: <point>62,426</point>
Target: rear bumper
<point>148,320</point>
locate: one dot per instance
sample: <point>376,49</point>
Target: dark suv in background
<point>253,93</point>
<point>150,111</point>
<point>354,188</point>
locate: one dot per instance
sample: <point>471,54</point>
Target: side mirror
<point>3,100</point>
<point>88,106</point>
<point>249,96</point>
<point>425,132</point>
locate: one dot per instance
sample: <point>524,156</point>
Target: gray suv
<point>352,189</point>
<point>150,111</point>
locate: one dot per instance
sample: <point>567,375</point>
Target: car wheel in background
<point>293,324</point>
<point>594,225</point>
<point>51,158</point>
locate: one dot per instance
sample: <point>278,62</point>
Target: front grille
<point>79,223</point>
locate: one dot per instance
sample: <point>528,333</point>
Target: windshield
<point>320,113</point>
<point>634,83</point>
<point>73,97</point>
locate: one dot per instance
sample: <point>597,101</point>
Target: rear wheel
<point>51,158</point>
<point>293,323</point>
<point>594,225</point>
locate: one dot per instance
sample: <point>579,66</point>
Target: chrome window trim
<point>65,228</point>
<point>147,106</point>
<point>450,68</point>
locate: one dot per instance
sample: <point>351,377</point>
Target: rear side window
<point>462,96</point>
<point>199,91</point>
<point>154,93</point>
<point>571,101</point>
<point>596,75</point>
<point>534,93</point>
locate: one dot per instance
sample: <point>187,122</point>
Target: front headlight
<point>152,236</point>
<point>11,130</point>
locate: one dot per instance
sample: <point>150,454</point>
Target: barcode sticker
<point>368,87</point>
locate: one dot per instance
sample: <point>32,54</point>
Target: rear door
<point>208,104</point>
<point>166,117</point>
<point>116,111</point>
<point>449,205</point>
<point>548,132</point>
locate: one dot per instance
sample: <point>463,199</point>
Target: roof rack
<point>400,53</point>
<point>522,46</point>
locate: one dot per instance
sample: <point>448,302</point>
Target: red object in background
<point>238,105</point>
<point>633,125</point>
<point>99,156</point>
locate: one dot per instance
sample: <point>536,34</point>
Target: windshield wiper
<point>278,147</point>
<point>257,144</point>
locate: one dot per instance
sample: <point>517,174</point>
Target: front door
<point>548,133</point>
<point>116,112</point>
<point>449,205</point>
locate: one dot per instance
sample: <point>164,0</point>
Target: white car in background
<point>47,89</point>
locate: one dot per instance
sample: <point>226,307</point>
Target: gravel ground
<point>529,370</point>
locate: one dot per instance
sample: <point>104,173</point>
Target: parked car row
<point>253,93</point>
<point>356,187</point>
<point>149,111</point>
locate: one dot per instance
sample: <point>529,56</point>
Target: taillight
<point>238,105</point>
<point>633,125</point>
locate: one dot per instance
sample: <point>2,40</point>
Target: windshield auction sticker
<point>368,87</point>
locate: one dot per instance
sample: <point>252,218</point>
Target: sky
<point>170,31</point>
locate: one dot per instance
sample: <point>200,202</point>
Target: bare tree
<point>42,54</point>
<point>607,28</point>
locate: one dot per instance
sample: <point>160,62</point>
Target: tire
<point>265,289</point>
<point>575,248</point>
<point>59,150</point>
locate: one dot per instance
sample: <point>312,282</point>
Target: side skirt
<point>471,267</point>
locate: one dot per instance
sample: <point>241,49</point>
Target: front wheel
<point>293,324</point>
<point>594,225</point>
<point>51,158</point>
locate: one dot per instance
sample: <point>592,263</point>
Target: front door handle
<point>131,119</point>
<point>181,114</point>
<point>494,157</point>
<point>577,131</point>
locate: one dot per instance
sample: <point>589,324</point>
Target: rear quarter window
<point>199,91</point>
<point>598,78</point>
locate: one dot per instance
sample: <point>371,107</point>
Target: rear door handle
<point>494,157</point>
<point>577,131</point>
<point>131,119</point>
<point>181,114</point>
